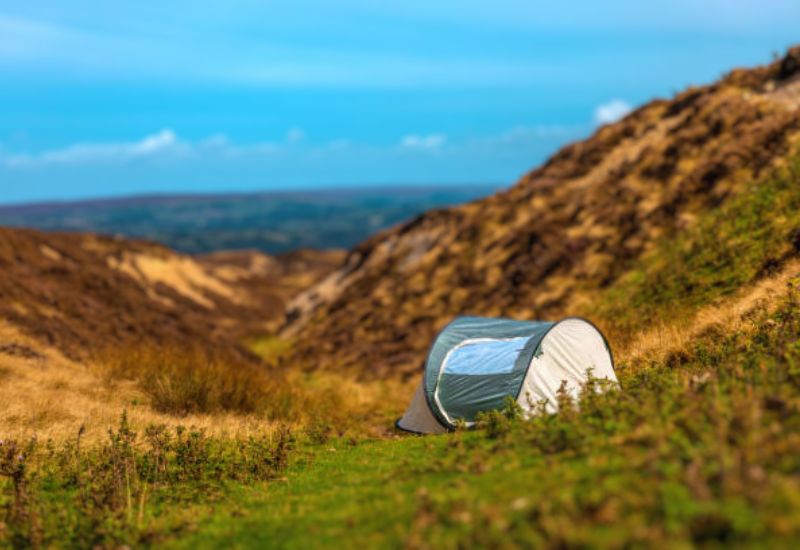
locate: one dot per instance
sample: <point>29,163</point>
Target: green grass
<point>700,448</point>
<point>134,488</point>
<point>705,449</point>
<point>747,237</point>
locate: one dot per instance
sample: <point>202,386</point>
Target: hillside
<point>695,278</point>
<point>698,447</point>
<point>568,229</point>
<point>272,222</point>
<point>91,326</point>
<point>83,293</point>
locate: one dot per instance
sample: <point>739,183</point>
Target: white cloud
<point>295,135</point>
<point>165,148</point>
<point>155,143</point>
<point>222,145</point>
<point>430,142</point>
<point>216,141</point>
<point>163,144</point>
<point>163,141</point>
<point>611,111</point>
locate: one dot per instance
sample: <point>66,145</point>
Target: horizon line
<point>145,197</point>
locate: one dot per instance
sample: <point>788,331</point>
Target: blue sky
<point>108,98</point>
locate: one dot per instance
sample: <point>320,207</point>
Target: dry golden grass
<point>32,409</point>
<point>50,397</point>
<point>182,274</point>
<point>728,316</point>
<point>47,396</point>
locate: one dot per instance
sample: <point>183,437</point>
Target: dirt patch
<point>19,350</point>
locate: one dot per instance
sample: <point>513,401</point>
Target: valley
<point>161,398</point>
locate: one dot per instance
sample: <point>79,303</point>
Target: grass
<point>131,489</point>
<point>748,237</point>
<point>188,381</point>
<point>699,446</point>
<point>704,449</point>
<point>192,380</point>
<point>269,348</point>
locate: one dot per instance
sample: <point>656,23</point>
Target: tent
<point>476,363</point>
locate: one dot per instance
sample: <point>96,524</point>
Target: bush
<point>193,380</point>
<point>190,381</point>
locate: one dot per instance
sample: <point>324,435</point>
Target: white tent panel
<point>567,351</point>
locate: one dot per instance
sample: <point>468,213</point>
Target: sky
<point>101,99</point>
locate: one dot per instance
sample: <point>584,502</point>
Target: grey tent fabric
<point>418,418</point>
<point>476,363</point>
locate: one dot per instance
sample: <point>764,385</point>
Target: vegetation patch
<point>135,488</point>
<point>750,236</point>
<point>191,380</point>
<point>703,449</point>
<point>182,381</point>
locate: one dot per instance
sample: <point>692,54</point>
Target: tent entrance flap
<point>418,417</point>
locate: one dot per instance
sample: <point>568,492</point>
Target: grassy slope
<point>710,451</point>
<point>703,446</point>
<point>749,237</point>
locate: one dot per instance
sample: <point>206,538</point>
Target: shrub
<point>192,380</point>
<point>498,423</point>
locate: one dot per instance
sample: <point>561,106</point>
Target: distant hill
<point>274,222</point>
<point>83,294</point>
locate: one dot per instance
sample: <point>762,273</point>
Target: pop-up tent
<point>476,363</point>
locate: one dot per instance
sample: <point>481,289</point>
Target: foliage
<point>191,380</point>
<point>749,236</point>
<point>498,423</point>
<point>123,490</point>
<point>702,449</point>
<point>699,446</point>
<point>194,380</point>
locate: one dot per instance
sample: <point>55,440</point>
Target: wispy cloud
<point>611,111</point>
<point>155,144</point>
<point>164,144</point>
<point>295,135</point>
<point>431,142</point>
<point>170,160</point>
